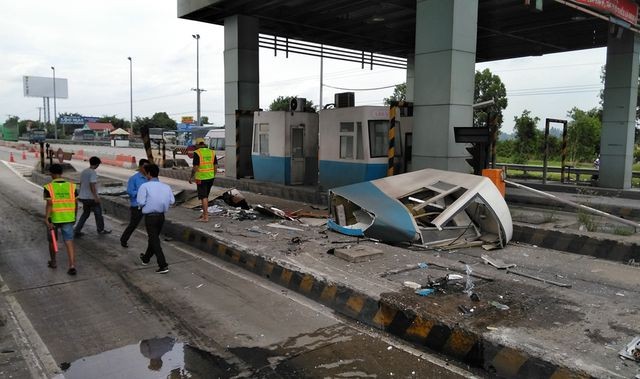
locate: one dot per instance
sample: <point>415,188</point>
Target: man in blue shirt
<point>154,198</point>
<point>134,183</point>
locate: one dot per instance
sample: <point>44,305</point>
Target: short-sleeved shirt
<point>87,177</point>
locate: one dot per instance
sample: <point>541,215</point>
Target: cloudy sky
<point>88,42</point>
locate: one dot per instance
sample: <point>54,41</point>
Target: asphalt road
<point>220,321</point>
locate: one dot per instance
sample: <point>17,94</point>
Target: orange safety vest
<point>205,168</point>
<point>63,201</point>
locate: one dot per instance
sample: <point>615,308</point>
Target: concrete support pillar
<point>241,90</point>
<point>411,76</point>
<point>619,113</point>
<point>445,55</point>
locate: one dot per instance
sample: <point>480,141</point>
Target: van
<point>215,139</point>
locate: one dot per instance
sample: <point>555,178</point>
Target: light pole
<point>130,96</point>
<point>197,38</point>
<point>55,117</point>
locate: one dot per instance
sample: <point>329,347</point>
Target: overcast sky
<point>88,42</point>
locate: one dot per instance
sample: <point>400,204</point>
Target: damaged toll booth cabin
<point>285,147</point>
<point>354,145</point>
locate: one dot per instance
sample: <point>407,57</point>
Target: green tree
<point>162,120</point>
<point>117,122</point>
<point>204,120</point>
<point>583,134</point>
<point>489,87</point>
<point>527,137</point>
<point>399,94</point>
<point>281,103</point>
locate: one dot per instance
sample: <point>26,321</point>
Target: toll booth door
<point>297,154</point>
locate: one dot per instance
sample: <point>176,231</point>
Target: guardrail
<point>568,170</point>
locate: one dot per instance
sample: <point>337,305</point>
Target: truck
<point>155,135</point>
<point>37,135</point>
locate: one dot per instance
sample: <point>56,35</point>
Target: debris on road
<point>499,306</point>
<point>428,207</point>
<point>632,350</point>
<point>272,211</point>
<point>497,263</point>
<point>280,226</point>
<point>425,291</point>
<point>564,285</point>
<point>404,269</point>
<point>412,285</point>
<point>358,253</point>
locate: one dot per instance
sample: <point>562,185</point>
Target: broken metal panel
<point>407,207</point>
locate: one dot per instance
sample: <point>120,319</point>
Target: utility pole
<point>39,113</point>
<point>198,90</point>
<point>130,96</point>
<point>55,114</point>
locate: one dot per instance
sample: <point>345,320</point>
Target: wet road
<point>204,319</point>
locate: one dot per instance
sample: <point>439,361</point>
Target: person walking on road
<point>90,199</point>
<point>134,183</point>
<point>60,214</point>
<point>203,172</point>
<point>154,198</point>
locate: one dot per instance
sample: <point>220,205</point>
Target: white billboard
<point>38,86</point>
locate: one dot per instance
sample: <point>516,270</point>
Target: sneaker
<point>123,244</point>
<point>104,231</point>
<point>163,270</point>
<point>72,271</point>
<point>144,263</point>
<point>78,234</point>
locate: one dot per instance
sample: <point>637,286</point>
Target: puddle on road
<point>152,358</point>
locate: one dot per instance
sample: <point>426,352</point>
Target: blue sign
<point>71,120</point>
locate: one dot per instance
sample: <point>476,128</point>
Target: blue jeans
<point>66,229</point>
<point>89,205</point>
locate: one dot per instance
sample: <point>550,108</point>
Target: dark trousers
<point>134,219</point>
<point>154,223</point>
<point>89,205</point>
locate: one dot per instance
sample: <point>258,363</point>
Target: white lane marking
<point>10,167</point>
<point>39,360</point>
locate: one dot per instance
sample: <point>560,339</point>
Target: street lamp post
<point>197,38</point>
<point>130,96</point>
<point>55,114</point>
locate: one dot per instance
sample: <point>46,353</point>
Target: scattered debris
<point>474,297</point>
<point>469,285</point>
<point>280,226</point>
<point>312,221</point>
<point>412,285</point>
<point>619,294</point>
<point>564,285</point>
<point>269,210</point>
<point>466,311</point>
<point>404,269</point>
<point>425,207</point>
<point>234,198</point>
<point>358,253</point>
<point>632,350</point>
<point>497,263</point>
<point>499,306</point>
<point>425,291</point>
<point>455,277</point>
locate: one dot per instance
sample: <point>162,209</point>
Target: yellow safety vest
<point>205,169</point>
<point>63,201</point>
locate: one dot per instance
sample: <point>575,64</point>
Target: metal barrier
<point>568,170</point>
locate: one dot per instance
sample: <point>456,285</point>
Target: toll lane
<point>238,324</point>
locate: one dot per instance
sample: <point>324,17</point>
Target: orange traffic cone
<point>11,160</point>
<point>24,155</point>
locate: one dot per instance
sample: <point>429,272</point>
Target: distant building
<point>102,129</point>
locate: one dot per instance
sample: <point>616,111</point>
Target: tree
<point>399,94</point>
<point>527,137</point>
<point>162,120</point>
<point>204,120</point>
<point>489,87</point>
<point>281,103</point>
<point>583,134</point>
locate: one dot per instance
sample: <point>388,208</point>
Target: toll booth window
<point>261,141</point>
<point>346,140</point>
<point>379,138</point>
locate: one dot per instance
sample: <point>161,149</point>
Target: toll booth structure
<point>354,145</point>
<point>285,147</point>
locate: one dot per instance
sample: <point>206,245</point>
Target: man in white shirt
<point>89,198</point>
<point>154,198</point>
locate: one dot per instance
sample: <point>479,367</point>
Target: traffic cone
<point>24,155</point>
<point>11,160</point>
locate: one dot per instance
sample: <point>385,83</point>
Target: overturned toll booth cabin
<point>438,42</point>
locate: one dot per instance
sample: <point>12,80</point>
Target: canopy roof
<point>506,28</point>
<point>119,132</point>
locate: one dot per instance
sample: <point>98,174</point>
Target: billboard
<point>38,86</point>
<point>626,10</point>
